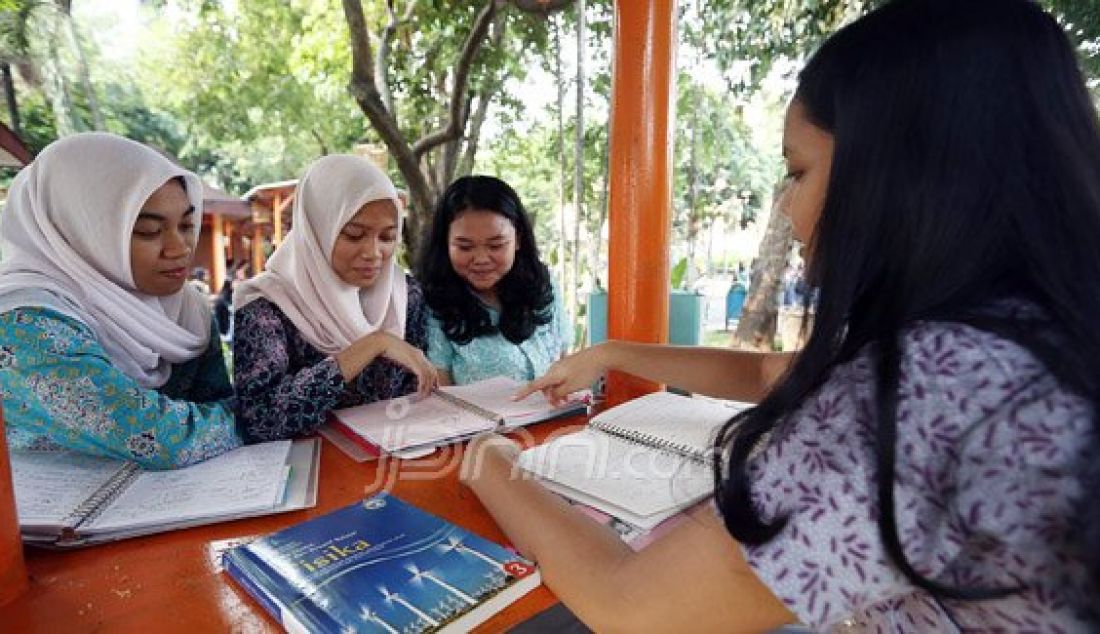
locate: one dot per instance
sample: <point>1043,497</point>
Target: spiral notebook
<point>641,462</point>
<point>66,499</point>
<point>407,427</point>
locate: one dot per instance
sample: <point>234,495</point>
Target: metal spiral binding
<point>649,440</point>
<point>470,407</point>
<point>94,506</point>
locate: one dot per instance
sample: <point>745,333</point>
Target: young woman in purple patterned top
<point>333,321</point>
<point>925,462</point>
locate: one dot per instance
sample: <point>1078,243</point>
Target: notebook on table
<point>407,427</point>
<point>379,565</point>
<point>66,499</point>
<point>642,461</point>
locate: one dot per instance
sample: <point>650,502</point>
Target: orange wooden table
<point>173,582</point>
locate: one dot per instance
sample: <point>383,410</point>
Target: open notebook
<point>642,461</point>
<point>407,427</point>
<point>66,499</point>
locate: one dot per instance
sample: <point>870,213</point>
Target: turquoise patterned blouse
<point>493,355</point>
<point>60,391</point>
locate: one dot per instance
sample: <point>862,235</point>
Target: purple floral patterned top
<point>985,495</point>
<point>286,387</point>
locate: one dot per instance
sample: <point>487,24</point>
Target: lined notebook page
<point>631,476</point>
<point>617,464</point>
<point>402,422</point>
<point>664,418</point>
<point>247,479</point>
<point>49,485</point>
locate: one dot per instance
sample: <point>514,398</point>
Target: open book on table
<point>66,499</point>
<point>642,461</point>
<point>408,428</point>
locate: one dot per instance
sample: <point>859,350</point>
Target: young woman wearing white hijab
<point>333,321</point>
<point>104,348</point>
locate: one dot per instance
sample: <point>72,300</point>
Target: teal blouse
<point>493,355</point>
<point>60,391</point>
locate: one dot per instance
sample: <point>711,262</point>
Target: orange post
<point>277,207</point>
<point>13,571</point>
<point>217,253</point>
<point>257,238</point>
<point>640,197</point>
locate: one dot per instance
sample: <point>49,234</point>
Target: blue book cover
<point>379,565</point>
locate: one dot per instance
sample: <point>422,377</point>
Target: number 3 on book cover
<point>380,565</point>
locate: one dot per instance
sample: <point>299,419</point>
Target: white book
<point>642,461</point>
<point>404,425</point>
<point>66,499</point>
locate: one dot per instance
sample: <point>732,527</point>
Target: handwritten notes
<point>237,482</point>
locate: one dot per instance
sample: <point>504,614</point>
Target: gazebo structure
<point>223,217</point>
<point>269,209</point>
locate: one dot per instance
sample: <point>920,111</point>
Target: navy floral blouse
<point>286,387</point>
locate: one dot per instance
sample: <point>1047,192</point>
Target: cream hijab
<point>300,280</point>
<point>65,244</point>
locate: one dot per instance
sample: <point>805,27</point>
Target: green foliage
<point>732,176</point>
<point>751,35</point>
<point>38,126</point>
<point>261,90</point>
<point>679,272</point>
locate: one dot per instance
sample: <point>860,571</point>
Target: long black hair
<point>966,169</point>
<point>525,292</point>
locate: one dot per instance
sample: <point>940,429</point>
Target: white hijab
<point>65,244</point>
<point>299,278</point>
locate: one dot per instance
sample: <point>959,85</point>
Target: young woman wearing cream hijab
<point>104,348</point>
<point>334,321</point>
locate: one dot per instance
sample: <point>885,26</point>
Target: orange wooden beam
<point>257,238</point>
<point>13,571</point>
<point>217,253</point>
<point>278,208</point>
<point>640,196</point>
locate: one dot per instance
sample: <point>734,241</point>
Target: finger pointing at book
<point>573,373</point>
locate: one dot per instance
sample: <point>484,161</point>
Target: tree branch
<point>320,141</point>
<point>365,91</point>
<point>361,71</point>
<point>382,59</point>
<point>473,128</point>
<point>453,128</point>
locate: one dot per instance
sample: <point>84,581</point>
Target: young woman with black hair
<point>924,463</point>
<point>494,309</point>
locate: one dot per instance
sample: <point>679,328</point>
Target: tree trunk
<point>58,93</point>
<point>578,165</point>
<point>756,328</point>
<point>597,227</point>
<point>563,231</point>
<point>693,200</point>
<point>484,99</point>
<point>82,69</point>
<point>10,98</point>
<point>409,157</point>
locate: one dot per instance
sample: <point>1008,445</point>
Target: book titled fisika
<point>380,565</point>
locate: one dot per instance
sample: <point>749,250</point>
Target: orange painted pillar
<point>277,206</point>
<point>640,197</point>
<point>13,570</point>
<point>235,238</point>
<point>257,238</point>
<point>217,253</point>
